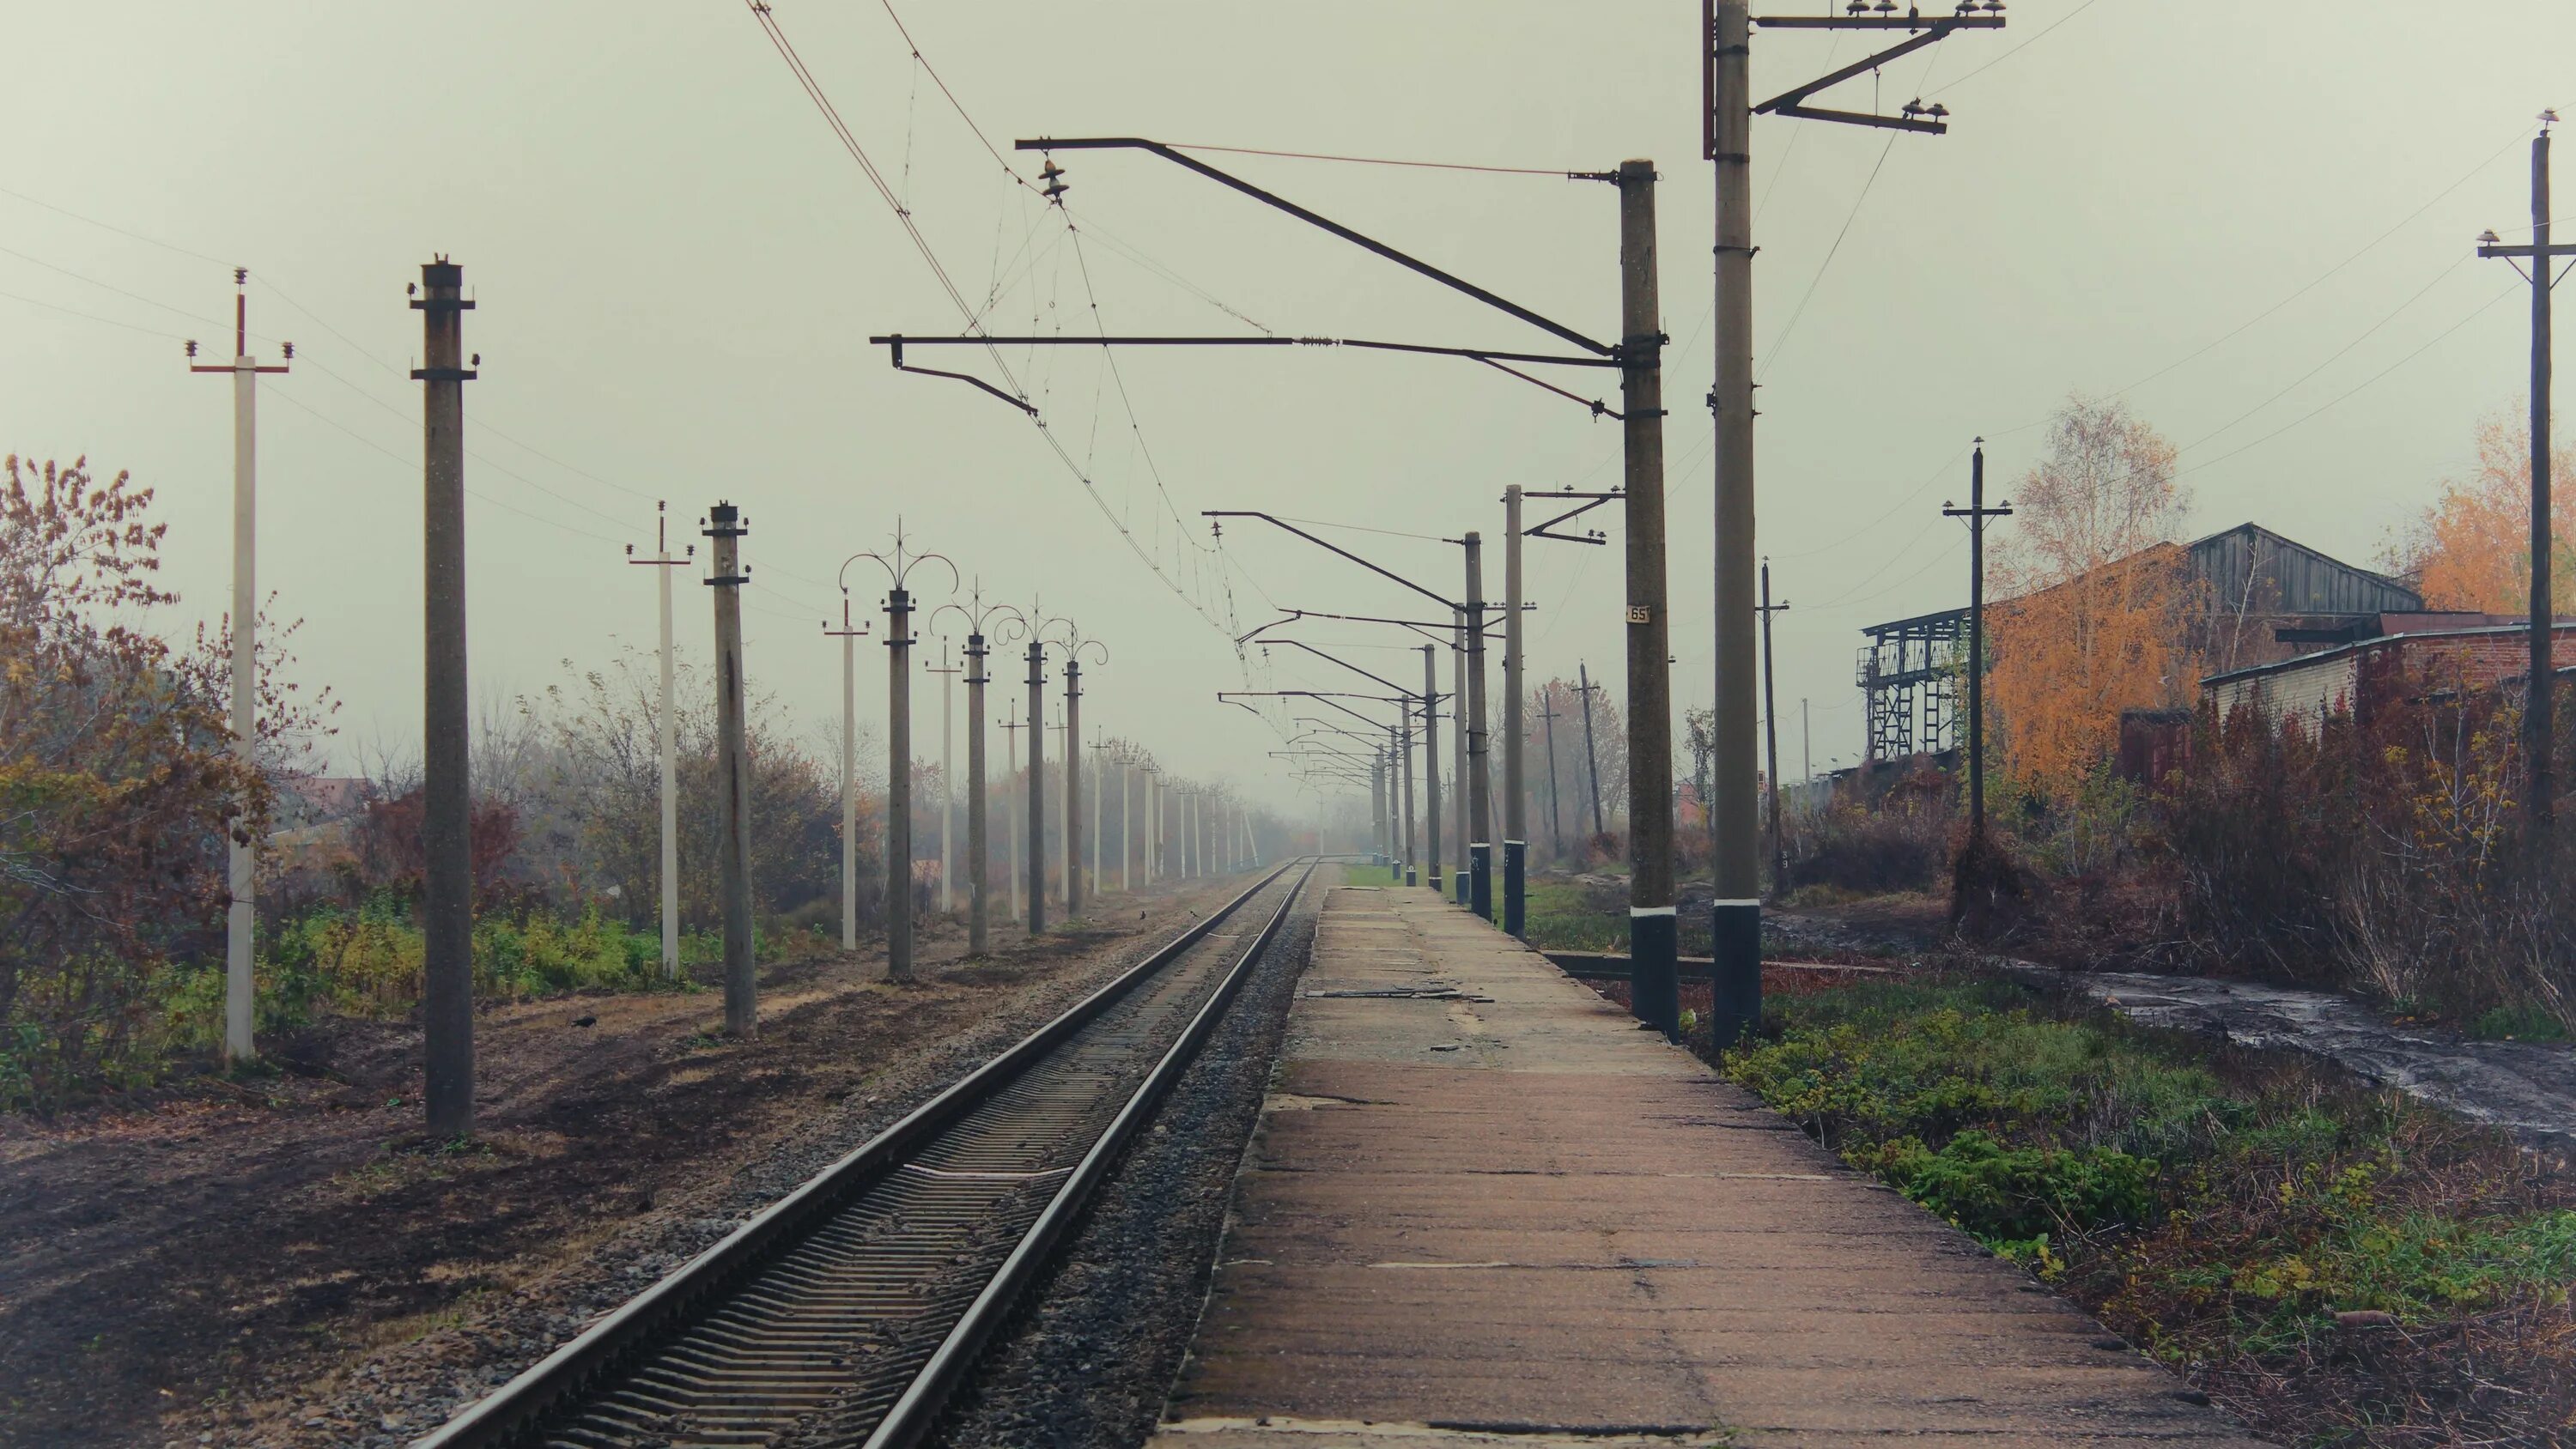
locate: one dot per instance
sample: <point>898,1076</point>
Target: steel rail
<point>513,1412</point>
<point>913,1415</point>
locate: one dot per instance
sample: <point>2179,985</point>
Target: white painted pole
<point>243,855</point>
<point>1011,807</point>
<point>241,881</point>
<point>1126,828</point>
<point>1091,868</point>
<point>947,818</point>
<point>666,730</point>
<point>850,793</point>
<point>670,729</point>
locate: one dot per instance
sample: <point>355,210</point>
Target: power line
<point>93,317</point>
<point>327,420</point>
<point>111,287</point>
<point>2480,311</point>
<point>1772,357</point>
<point>1893,509</point>
<point>972,316</point>
<point>272,289</point>
<point>2025,45</point>
<point>2310,285</point>
<point>1558,172</point>
<point>120,231</point>
<point>2453,265</point>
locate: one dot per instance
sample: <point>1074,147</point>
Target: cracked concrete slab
<point>1483,1207</point>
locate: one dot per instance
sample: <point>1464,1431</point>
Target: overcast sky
<point>678,266</point>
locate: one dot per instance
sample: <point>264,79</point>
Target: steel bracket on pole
<point>1792,102</point>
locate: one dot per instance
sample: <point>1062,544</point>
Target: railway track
<point>848,1311</point>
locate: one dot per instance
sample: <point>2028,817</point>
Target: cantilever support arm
<point>1157,148</point>
<point>1792,102</point>
<point>1294,615</point>
<point>1541,530</point>
<point>1332,547</point>
<point>1346,664</point>
<point>1023,404</point>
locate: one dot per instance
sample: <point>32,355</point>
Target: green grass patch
<point>2519,1023</point>
<point>369,962</point>
<point>2220,1208</point>
<point>1372,875</point>
<point>1559,918</point>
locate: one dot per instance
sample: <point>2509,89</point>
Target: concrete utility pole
<point>898,832</point>
<point>1011,732</point>
<point>1431,764</point>
<point>898,847</point>
<point>1072,758</point>
<point>1480,805</point>
<point>733,772</point>
<point>1380,835</point>
<point>1404,769</point>
<point>1726,140</point>
<point>1653,931</point>
<point>1591,753</point>
<point>1806,747</point>
<point>1555,818</point>
<point>241,851</point>
<point>1153,842</point>
<point>1736,917</point>
<point>1126,827</point>
<point>1771,735</point>
<point>1462,872</point>
<point>1099,802</point>
<point>978,931</point>
<point>947,795</point>
<point>1977,513</point>
<point>447,890</point>
<point>669,729</point>
<point>1037,786</point>
<point>2538,730</point>
<point>849,634</point>
<point>1074,865</point>
<point>1515,728</point>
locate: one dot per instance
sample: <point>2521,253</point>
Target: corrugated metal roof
<point>2251,568</point>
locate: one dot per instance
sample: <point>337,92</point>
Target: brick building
<point>2397,657</point>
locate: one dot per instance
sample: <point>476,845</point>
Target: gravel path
<point>1088,1363</point>
<point>417,1382</point>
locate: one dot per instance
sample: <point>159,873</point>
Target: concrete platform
<point>1483,1207</point>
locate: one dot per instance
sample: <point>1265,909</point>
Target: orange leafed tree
<point>2094,620</point>
<point>2472,547</point>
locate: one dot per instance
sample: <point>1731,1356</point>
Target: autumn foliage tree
<point>2096,598</point>
<point>117,782</point>
<point>2472,547</point>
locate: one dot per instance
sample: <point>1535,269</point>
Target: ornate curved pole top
<point>898,568</point>
<point>987,619</point>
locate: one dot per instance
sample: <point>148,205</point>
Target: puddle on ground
<point>2526,1087</point>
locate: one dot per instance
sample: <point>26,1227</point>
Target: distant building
<point>2262,598</point>
<point>2389,659</point>
<point>316,799</point>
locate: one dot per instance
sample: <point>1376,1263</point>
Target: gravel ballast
<point>1088,1360</point>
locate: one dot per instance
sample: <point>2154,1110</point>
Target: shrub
<point>1900,842</point>
<point>117,785</point>
<point>2218,1208</point>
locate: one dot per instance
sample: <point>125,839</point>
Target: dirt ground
<point>284,1260</point>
